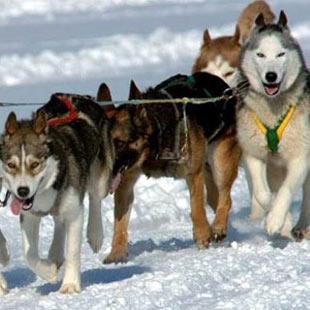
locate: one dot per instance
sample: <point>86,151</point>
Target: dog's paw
<point>47,271</point>
<point>95,239</point>
<point>202,237</point>
<point>219,232</point>
<point>301,233</point>
<point>117,256</point>
<point>70,288</point>
<point>3,285</point>
<point>274,223</point>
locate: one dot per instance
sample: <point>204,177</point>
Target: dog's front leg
<point>301,230</point>
<point>201,228</point>
<point>257,170</point>
<point>123,198</point>
<point>4,259</point>
<point>297,170</point>
<point>30,225</point>
<point>74,228</point>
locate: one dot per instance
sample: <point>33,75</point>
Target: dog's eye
<point>281,54</point>
<point>229,73</point>
<point>260,55</point>
<point>34,165</point>
<point>11,165</point>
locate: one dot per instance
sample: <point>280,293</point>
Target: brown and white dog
<point>220,56</point>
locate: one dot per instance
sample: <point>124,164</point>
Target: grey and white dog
<point>48,170</point>
<point>274,124</point>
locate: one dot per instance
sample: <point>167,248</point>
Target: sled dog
<point>273,123</point>
<point>172,140</point>
<point>220,56</point>
<point>48,164</point>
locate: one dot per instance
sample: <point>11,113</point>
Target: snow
<point>70,45</point>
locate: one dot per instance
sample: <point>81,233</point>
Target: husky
<point>48,165</point>
<point>273,123</point>
<point>172,140</point>
<point>220,56</point>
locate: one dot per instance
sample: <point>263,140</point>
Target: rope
<point>184,100</point>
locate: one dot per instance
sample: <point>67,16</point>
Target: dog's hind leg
<point>196,184</point>
<point>201,228</point>
<point>30,225</point>
<point>302,228</point>
<point>224,163</point>
<point>212,191</point>
<point>56,252</point>
<point>94,226</point>
<point>124,197</point>
<point>4,259</point>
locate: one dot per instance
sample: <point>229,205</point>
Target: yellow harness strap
<point>274,135</point>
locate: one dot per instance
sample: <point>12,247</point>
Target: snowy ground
<point>72,46</point>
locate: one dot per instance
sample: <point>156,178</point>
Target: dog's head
<point>25,158</point>
<point>271,59</point>
<point>220,56</point>
<point>129,129</point>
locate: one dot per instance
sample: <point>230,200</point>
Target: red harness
<point>70,117</point>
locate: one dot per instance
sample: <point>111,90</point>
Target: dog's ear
<point>236,38</point>
<point>282,22</point>
<point>104,93</point>
<point>40,124</point>
<point>206,37</point>
<point>260,20</point>
<point>134,92</point>
<point>11,124</point>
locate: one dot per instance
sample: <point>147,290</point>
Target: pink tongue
<point>115,182</point>
<point>271,90</point>
<point>16,206</point>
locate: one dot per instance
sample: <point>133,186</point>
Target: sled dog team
<point>73,145</point>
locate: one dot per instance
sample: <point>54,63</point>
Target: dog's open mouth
<point>272,89</point>
<point>17,205</point>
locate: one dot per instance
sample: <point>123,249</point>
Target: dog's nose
<point>271,77</point>
<point>23,191</point>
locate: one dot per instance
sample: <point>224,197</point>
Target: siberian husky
<point>48,169</point>
<point>273,123</point>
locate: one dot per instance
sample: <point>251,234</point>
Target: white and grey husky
<point>274,124</point>
<point>48,169</point>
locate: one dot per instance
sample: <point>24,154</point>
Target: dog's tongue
<point>16,206</point>
<point>115,182</point>
<point>271,90</point>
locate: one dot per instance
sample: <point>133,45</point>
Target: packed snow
<point>72,46</point>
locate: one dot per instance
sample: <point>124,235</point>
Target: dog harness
<point>275,134</point>
<point>70,117</point>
